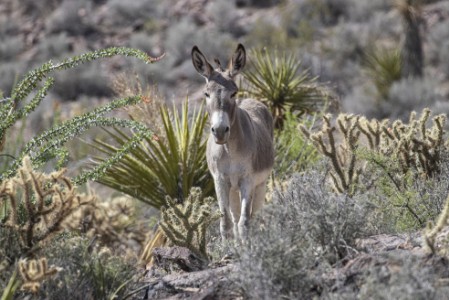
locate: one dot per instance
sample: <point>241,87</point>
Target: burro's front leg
<point>246,201</point>
<point>222,187</point>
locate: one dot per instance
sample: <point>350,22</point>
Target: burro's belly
<point>237,173</point>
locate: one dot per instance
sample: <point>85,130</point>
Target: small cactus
<point>185,224</point>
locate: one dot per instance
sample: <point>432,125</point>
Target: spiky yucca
<point>158,166</point>
<point>278,81</point>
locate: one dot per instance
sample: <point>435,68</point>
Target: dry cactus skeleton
<point>240,151</point>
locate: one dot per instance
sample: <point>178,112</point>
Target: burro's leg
<point>234,202</point>
<point>246,197</point>
<point>259,197</point>
<point>222,187</point>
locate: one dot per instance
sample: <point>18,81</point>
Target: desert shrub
<point>225,17</point>
<point>8,26</point>
<point>294,153</point>
<point>301,233</point>
<point>362,10</point>
<point>405,202</point>
<point>409,278</point>
<point>72,17</point>
<point>35,9</point>
<point>54,46</point>
<point>143,41</point>
<point>257,3</point>
<point>179,37</point>
<point>438,38</point>
<point>87,273</point>
<point>10,48</point>
<point>85,80</point>
<point>126,14</point>
<point>407,95</point>
<point>346,43</point>
<point>9,72</point>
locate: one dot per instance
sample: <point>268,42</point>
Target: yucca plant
<point>170,164</point>
<point>383,66</point>
<point>279,81</point>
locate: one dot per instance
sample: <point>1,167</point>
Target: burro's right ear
<point>200,63</point>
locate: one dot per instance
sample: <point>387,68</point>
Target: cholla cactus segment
<point>185,224</point>
<point>34,272</point>
<point>37,204</point>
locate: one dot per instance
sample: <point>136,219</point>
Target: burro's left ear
<point>237,61</point>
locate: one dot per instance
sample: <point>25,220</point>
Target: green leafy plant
<point>170,164</point>
<point>277,80</point>
<point>49,144</point>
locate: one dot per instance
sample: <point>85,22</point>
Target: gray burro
<point>240,152</point>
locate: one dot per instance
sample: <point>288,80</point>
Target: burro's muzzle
<point>220,127</point>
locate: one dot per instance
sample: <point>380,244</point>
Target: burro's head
<point>220,90</point>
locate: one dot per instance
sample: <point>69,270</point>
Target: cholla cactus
<point>110,222</point>
<point>433,230</point>
<point>34,272</point>
<point>414,146</point>
<point>343,154</point>
<point>185,224</point>
<point>37,204</point>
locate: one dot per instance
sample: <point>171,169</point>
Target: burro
<point>240,152</point>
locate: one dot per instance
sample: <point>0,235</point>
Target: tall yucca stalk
<point>412,50</point>
<point>278,81</point>
<point>166,165</point>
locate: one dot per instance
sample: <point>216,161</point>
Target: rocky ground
<point>378,253</point>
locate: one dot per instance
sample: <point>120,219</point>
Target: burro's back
<point>240,151</point>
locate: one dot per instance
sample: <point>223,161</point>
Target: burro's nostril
<point>213,130</point>
<point>227,129</point>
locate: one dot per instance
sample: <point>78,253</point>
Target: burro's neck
<point>237,137</point>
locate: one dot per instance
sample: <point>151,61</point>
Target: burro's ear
<point>200,63</point>
<point>237,61</point>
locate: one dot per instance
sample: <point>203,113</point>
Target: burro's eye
<point>206,94</point>
<point>233,94</point>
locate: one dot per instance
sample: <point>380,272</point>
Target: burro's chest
<point>225,160</point>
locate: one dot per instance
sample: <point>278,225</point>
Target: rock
<point>180,257</point>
